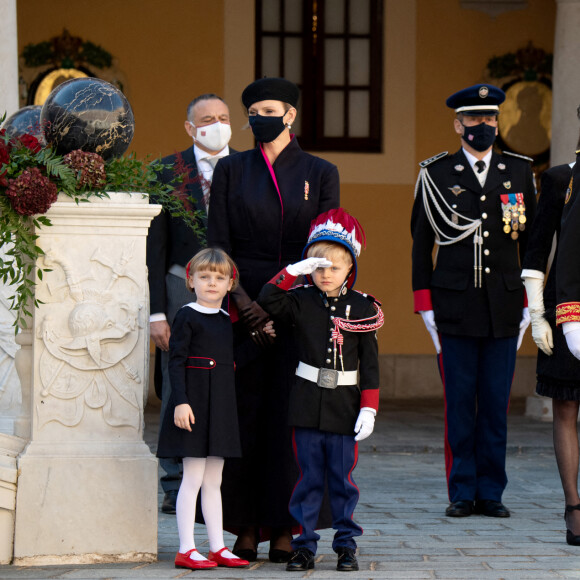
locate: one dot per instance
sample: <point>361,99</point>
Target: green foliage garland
<point>31,176</point>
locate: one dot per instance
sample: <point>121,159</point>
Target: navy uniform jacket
<point>568,267</point>
<point>310,313</point>
<point>261,231</point>
<point>495,309</point>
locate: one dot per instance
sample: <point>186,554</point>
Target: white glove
<point>428,317</point>
<point>572,333</point>
<point>524,323</point>
<point>307,266</point>
<point>365,423</point>
<point>541,329</point>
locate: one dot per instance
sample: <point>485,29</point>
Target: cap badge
<point>501,166</point>
<point>456,190</point>
<point>507,184</point>
<point>459,168</point>
<point>483,92</point>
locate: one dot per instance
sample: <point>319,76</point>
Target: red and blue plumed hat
<point>338,226</point>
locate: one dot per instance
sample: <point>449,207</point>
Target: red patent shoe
<point>184,561</point>
<point>227,562</point>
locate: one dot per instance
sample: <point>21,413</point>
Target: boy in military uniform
<point>330,410</point>
<point>475,205</point>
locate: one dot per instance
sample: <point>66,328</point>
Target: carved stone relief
<point>89,359</point>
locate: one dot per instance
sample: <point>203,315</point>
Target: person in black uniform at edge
<point>171,243</point>
<point>475,205</point>
<point>561,378</point>
<point>262,203</point>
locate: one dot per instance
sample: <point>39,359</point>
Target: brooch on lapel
<point>459,168</point>
<point>456,190</point>
<point>501,166</point>
<point>507,184</point>
<point>306,190</point>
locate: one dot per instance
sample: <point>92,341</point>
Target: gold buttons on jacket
<point>486,252</point>
<point>487,270</point>
<point>483,198</point>
<point>486,234</point>
<point>484,215</point>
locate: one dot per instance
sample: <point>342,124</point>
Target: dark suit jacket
<point>170,240</point>
<point>248,219</point>
<point>460,308</point>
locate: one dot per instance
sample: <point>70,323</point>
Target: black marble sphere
<point>25,121</point>
<point>88,114</point>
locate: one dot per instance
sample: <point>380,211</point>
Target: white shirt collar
<point>472,159</point>
<point>200,154</point>
<point>205,309</point>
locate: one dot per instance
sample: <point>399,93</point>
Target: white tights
<point>205,474</point>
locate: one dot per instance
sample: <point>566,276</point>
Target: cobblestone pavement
<point>403,497</point>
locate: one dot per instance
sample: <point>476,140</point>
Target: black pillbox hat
<point>275,89</point>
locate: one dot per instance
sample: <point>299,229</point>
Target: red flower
<point>30,142</point>
<point>31,192</point>
<point>90,168</point>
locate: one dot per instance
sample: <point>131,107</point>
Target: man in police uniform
<point>475,205</point>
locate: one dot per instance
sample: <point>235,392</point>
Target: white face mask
<point>213,137</point>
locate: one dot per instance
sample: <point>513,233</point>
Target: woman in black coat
<point>262,203</point>
<point>558,371</point>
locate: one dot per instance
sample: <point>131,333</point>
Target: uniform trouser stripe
<point>321,457</point>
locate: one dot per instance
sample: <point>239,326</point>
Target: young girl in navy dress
<point>201,422</point>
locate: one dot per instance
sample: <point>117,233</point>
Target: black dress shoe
<point>347,561</point>
<point>279,556</point>
<point>459,509</point>
<point>246,554</point>
<point>491,508</point>
<point>571,539</point>
<point>300,560</point>
<point>169,501</point>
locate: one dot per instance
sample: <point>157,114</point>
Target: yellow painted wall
<point>168,52</point>
<point>171,50</point>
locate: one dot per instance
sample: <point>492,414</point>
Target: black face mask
<point>266,129</point>
<point>481,137</point>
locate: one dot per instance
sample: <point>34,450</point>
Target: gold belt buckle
<point>327,378</point>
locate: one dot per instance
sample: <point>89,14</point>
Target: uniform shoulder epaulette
<point>369,297</point>
<point>434,158</point>
<point>524,157</point>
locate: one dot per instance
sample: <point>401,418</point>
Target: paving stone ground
<point>403,498</point>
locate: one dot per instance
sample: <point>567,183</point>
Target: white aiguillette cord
<point>473,227</point>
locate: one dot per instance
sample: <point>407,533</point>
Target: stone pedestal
<point>87,485</point>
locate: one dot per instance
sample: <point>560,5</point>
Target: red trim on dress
<point>422,300</point>
<point>202,358</point>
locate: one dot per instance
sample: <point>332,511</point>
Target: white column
<point>8,58</point>
<point>87,482</point>
<point>566,82</point>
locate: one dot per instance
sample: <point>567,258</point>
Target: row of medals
<point>514,219</point>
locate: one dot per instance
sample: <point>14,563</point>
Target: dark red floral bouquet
<point>32,176</point>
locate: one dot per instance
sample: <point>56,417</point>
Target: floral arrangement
<point>31,176</point>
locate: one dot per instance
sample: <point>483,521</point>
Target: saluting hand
<point>183,417</point>
<point>307,266</point>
